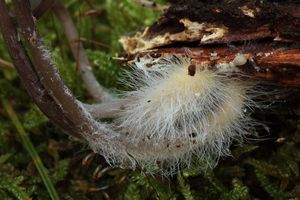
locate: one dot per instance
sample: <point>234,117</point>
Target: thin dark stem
<point>93,87</point>
<point>28,76</point>
<point>48,73</point>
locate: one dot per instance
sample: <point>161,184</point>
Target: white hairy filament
<point>175,116</point>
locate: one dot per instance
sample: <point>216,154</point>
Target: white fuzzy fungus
<point>176,115</point>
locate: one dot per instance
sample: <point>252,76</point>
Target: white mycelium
<point>179,111</point>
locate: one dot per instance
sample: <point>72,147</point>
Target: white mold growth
<point>178,111</point>
<point>232,66</point>
<point>239,60</point>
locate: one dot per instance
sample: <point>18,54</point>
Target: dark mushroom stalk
<point>48,74</point>
<point>28,75</point>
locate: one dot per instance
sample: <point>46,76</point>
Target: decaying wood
<point>265,62</point>
<point>268,34</point>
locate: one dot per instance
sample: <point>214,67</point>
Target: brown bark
<point>271,31</point>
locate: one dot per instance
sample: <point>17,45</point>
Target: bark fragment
<point>267,33</point>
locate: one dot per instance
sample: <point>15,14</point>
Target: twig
<point>93,87</point>
<point>96,43</point>
<point>6,65</point>
<point>28,76</point>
